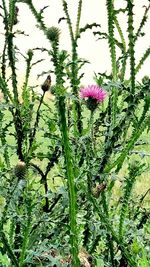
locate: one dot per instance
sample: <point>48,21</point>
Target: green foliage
<point>68,172</point>
<point>135,169</point>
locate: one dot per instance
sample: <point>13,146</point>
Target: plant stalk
<point>71,182</point>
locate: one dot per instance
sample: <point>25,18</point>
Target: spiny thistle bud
<point>98,189</point>
<point>46,85</point>
<point>146,80</point>
<point>53,34</point>
<point>20,170</point>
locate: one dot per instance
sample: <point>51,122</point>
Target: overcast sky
<point>89,48</point>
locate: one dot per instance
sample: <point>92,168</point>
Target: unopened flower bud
<point>53,34</point>
<point>20,170</point>
<point>146,80</point>
<point>46,85</point>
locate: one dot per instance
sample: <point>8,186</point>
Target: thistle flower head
<point>146,80</point>
<point>53,34</point>
<point>93,91</point>
<point>94,95</point>
<point>20,170</point>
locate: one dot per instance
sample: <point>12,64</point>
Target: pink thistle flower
<point>94,95</point>
<point>93,91</point>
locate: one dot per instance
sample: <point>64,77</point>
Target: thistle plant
<point>73,155</point>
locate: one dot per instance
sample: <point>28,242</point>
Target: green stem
<point>120,33</point>
<point>131,44</point>
<point>111,40</point>
<point>88,216</point>
<point>11,56</point>
<point>74,85</point>
<point>91,129</point>
<point>142,60</point>
<point>109,236</point>
<point>125,204</point>
<point>61,106</point>
<point>110,10</point>
<point>36,122</point>
<point>37,16</point>
<point>78,18</point>
<point>124,60</point>
<point>28,68</point>
<point>65,7</point>
<point>25,241</point>
<point>71,182</point>
<point>74,68</point>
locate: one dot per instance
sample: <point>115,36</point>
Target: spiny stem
<point>111,40</point>
<point>11,55</point>
<point>124,60</point>
<point>142,60</point>
<point>91,129</point>
<point>65,7</point>
<point>78,18</point>
<point>28,68</point>
<point>37,16</point>
<point>36,121</point>
<point>71,181</point>
<point>110,241</point>
<point>144,19</point>
<point>110,10</point>
<point>61,106</point>
<point>131,44</point>
<point>120,33</point>
<point>74,68</point>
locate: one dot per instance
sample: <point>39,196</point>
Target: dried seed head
<point>46,85</point>
<point>20,170</point>
<point>98,189</point>
<point>85,258</point>
<point>53,34</point>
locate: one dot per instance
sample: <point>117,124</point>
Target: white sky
<point>89,48</point>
